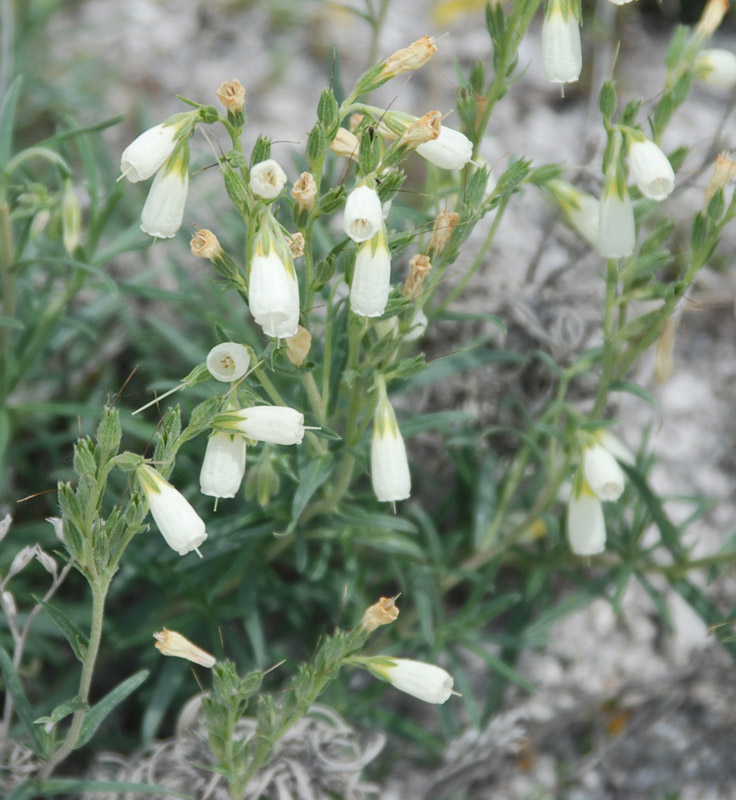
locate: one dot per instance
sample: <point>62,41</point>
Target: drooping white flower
<point>716,67</point>
<point>620,2</point>
<point>616,229</point>
<point>171,643</point>
<point>163,210</point>
<point>274,424</point>
<point>371,282</point>
<point>180,525</point>
<point>223,465</point>
<point>426,682</point>
<point>562,57</point>
<point>450,150</point>
<point>273,291</point>
<point>615,446</point>
<point>149,152</point>
<point>602,472</point>
<point>228,361</point>
<point>363,215</point>
<point>417,328</point>
<point>581,209</point>
<point>267,179</point>
<point>586,526</point>
<point>651,169</point>
<point>389,465</point>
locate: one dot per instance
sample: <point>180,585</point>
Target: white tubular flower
<point>615,446</point>
<point>586,526</point>
<point>274,424</point>
<point>267,179</point>
<point>228,361</point>
<point>562,57</point>
<point>426,682</point>
<point>716,67</point>
<point>418,327</point>
<point>616,232</point>
<point>363,215</point>
<point>602,472</point>
<point>620,2</point>
<point>371,281</point>
<point>651,169</point>
<point>163,210</point>
<point>171,643</point>
<point>273,293</point>
<point>450,150</point>
<point>223,466</point>
<point>582,210</point>
<point>389,465</point>
<point>148,153</point>
<point>180,525</point>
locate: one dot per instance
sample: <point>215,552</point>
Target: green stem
<point>99,593</point>
<point>609,348</point>
<point>271,390</point>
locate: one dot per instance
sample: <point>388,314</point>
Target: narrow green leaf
<point>637,391</point>
<point>317,471</point>
<point>22,705</point>
<point>100,710</point>
<point>63,710</point>
<point>7,120</point>
<point>77,640</point>
<point>73,785</point>
<point>499,666</point>
<point>11,322</point>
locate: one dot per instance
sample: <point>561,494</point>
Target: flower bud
<point>71,218</point>
<point>223,465</point>
<point>204,244</point>
<point>389,465</point>
<point>616,229</point>
<point>425,129</point>
<point>267,179</point>
<point>232,95</point>
<point>228,361</point>
<point>585,525</point>
<point>450,150</point>
<point>408,59</point>
<point>419,268</point>
<point>363,216</point>
<point>171,643</point>
<point>298,346</point>
<point>724,172</point>
<point>304,191</point>
<point>442,229</point>
<point>426,682</point>
<point>345,144</point>
<point>716,67</point>
<point>384,612</point>
<point>651,170</point>
<point>562,57</point>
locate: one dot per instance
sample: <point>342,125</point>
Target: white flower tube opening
<point>586,526</point>
<point>273,293</point>
<point>363,214</point>
<point>228,361</point>
<point>602,472</point>
<point>562,57</point>
<point>651,170</point>
<point>145,155</point>
<point>450,150</point>
<point>267,179</point>
<point>274,424</point>
<point>180,525</point>
<point>223,465</point>
<point>163,210</point>
<point>426,682</point>
<point>616,228</point>
<point>390,474</point>
<point>371,282</point>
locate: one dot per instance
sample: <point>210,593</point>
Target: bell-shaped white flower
<point>582,210</point>
<point>616,229</point>
<point>450,150</point>
<point>371,282</point>
<point>223,466</point>
<point>602,472</point>
<point>146,155</point>
<point>363,214</point>
<point>274,424</point>
<point>716,67</point>
<point>273,291</point>
<point>426,682</point>
<point>562,57</point>
<point>228,361</point>
<point>267,179</point>
<point>389,465</point>
<point>586,525</point>
<point>163,210</point>
<point>180,525</point>
<point>651,170</point>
